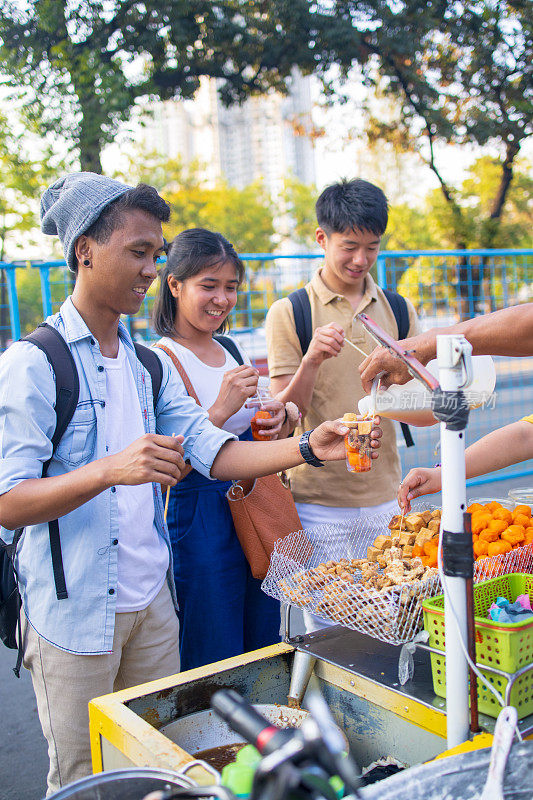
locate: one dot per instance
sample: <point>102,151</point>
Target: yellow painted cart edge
<point>138,740</point>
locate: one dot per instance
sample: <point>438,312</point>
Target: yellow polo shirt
<point>337,390</point>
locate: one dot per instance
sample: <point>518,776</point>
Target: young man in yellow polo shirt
<point>324,381</point>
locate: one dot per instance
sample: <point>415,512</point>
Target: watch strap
<point>306,451</point>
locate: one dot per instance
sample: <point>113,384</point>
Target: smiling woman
<point>222,610</point>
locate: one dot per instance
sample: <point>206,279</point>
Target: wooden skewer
<point>401,521</point>
<point>166,503</point>
<point>356,348</point>
<point>167,497</point>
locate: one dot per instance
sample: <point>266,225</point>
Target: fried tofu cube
<point>395,522</point>
<point>437,514</point>
<point>426,516</point>
<point>407,551</point>
<point>407,537</point>
<point>414,522</point>
<point>372,553</point>
<point>423,536</point>
<point>434,526</point>
<point>382,542</point>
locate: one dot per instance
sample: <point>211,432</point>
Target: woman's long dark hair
<point>191,252</point>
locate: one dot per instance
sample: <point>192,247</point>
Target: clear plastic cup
<point>505,501</point>
<point>522,495</point>
<point>358,445</point>
<point>262,396</point>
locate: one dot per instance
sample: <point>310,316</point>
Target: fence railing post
<point>46,294</point>
<point>382,271</point>
<point>14,316</point>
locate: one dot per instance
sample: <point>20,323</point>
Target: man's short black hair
<point>142,198</point>
<point>352,205</point>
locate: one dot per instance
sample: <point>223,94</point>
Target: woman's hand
<point>416,483</point>
<point>238,385</point>
<point>269,428</point>
<point>327,440</point>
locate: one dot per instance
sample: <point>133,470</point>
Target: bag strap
<point>57,351</point>
<point>301,307</point>
<point>179,366</point>
<point>153,365</point>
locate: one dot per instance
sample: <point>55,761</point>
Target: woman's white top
<point>208,380</point>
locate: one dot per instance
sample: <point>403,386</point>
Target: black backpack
<point>53,345</point>
<point>301,307</point>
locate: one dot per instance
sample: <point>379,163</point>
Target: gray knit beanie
<point>71,205</point>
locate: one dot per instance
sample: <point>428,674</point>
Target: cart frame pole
<point>453,359</point>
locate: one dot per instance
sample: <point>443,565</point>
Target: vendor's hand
<point>417,482</point>
<point>150,459</point>
<point>327,342</point>
<point>327,440</point>
<point>238,385</point>
<point>269,428</point>
<point>383,361</point>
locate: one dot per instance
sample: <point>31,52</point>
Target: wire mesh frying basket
<point>318,570</point>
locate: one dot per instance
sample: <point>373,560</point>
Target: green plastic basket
<point>504,647</point>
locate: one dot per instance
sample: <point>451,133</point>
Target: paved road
<point>23,753</point>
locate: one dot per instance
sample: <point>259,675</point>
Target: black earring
<point>86,262</point>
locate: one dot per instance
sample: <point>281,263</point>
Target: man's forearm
<point>237,460</point>
<point>508,332</point>
<point>43,499</point>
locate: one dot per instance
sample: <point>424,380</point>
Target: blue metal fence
<point>443,285</point>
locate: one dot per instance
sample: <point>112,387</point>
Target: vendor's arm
<point>508,332</point>
<point>497,450</point>
<point>293,375</point>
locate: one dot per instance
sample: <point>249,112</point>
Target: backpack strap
<point>400,311</point>
<point>229,345</point>
<point>399,308</point>
<point>152,364</point>
<point>301,307</point>
<point>57,351</point>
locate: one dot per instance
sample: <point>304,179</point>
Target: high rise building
<point>267,137</point>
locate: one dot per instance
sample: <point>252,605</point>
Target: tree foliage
<point>461,72</point>
<point>81,65</point>
<point>244,216</point>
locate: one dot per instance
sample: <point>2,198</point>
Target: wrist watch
<point>306,452</point>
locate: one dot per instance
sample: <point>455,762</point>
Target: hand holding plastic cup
<point>358,443</point>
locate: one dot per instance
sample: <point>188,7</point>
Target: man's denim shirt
<point>83,622</point>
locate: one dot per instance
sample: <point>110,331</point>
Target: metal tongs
<point>416,369</point>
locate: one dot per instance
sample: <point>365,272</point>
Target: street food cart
<point>357,674</point>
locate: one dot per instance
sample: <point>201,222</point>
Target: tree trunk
<point>491,225</point>
<point>89,139</point>
<point>90,157</point>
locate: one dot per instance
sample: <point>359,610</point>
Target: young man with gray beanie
<point>117,627</point>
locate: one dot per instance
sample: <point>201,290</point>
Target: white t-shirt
<point>207,381</point>
<point>143,557</point>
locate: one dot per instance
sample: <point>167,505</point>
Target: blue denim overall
<point>222,610</point>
